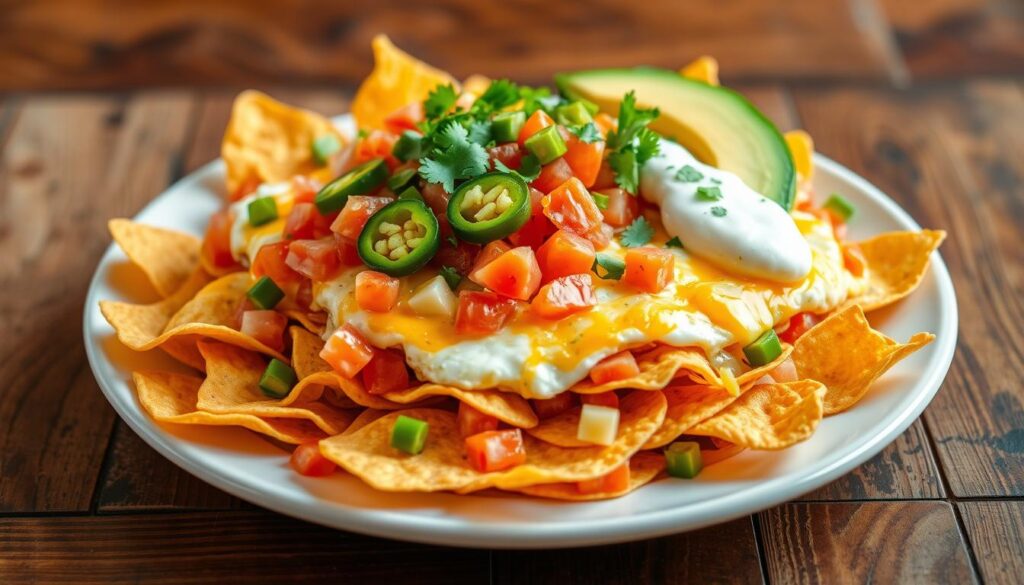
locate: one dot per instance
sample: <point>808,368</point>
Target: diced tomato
<point>301,222</point>
<point>461,256</point>
<point>495,450</point>
<point>481,313</point>
<point>355,214</point>
<point>622,208</point>
<point>798,325</point>
<point>217,241</point>
<point>250,184</point>
<point>347,352</point>
<point>376,291</point>
<point>473,422</point>
<point>304,294</point>
<point>305,188</point>
<point>564,296</point>
<point>605,177</point>
<point>570,207</point>
<point>514,274</point>
<point>552,175</point>
<point>563,254</point>
<point>584,158</point>
<point>605,123</point>
<point>436,198</point>
<point>267,327</point>
<point>490,252</point>
<point>549,407</point>
<point>386,372</point>
<point>405,118</point>
<point>348,252</point>
<point>854,260</point>
<point>615,367</point>
<point>510,154</point>
<point>537,228</point>
<point>316,259</point>
<point>245,305</point>
<point>613,482</point>
<point>271,261</point>
<point>307,460</point>
<point>376,144</point>
<point>609,399</point>
<point>648,269</point>
<point>601,237</point>
<point>534,124</point>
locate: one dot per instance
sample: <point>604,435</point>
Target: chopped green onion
<point>409,146</point>
<point>546,145</point>
<point>323,147</point>
<point>718,211</point>
<point>506,126</point>
<point>400,179</point>
<point>411,192</point>
<point>262,211</point>
<point>278,379</point>
<point>600,200</point>
<point>683,460</point>
<point>409,434</point>
<point>709,193</point>
<point>688,174</point>
<point>764,349</point>
<point>265,294</point>
<point>574,114</point>
<point>840,206</point>
<point>608,267</point>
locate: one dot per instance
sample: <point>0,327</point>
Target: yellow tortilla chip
<point>703,68</point>
<point>801,147</point>
<point>712,456</point>
<point>713,378</point>
<point>272,141</point>
<point>364,418</point>
<point>306,348</point>
<point>232,387</point>
<point>687,406</point>
<point>845,354</point>
<point>657,369</point>
<point>367,453</point>
<point>353,389</point>
<point>507,407</point>
<point>167,257</point>
<point>897,261</point>
<point>307,320</point>
<point>643,468</point>
<point>397,79</point>
<point>172,398</point>
<point>768,416</point>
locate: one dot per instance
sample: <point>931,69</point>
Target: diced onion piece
<point>598,424</point>
<point>434,299</point>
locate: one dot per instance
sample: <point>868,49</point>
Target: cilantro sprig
<point>608,267</point>
<point>637,233</point>
<point>454,157</point>
<point>633,143</point>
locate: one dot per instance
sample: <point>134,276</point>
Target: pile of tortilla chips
<point>677,393</point>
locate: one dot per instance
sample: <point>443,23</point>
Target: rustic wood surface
<point>925,99</point>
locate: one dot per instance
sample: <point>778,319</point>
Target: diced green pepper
<point>840,206</point>
<point>600,199</point>
<point>506,126</point>
<point>573,114</point>
<point>401,179</point>
<point>489,207</point>
<point>683,460</point>
<point>409,434</point>
<point>411,192</point>
<point>262,211</point>
<point>278,379</point>
<point>360,180</point>
<point>385,244</point>
<point>323,147</point>
<point>546,145</point>
<point>764,349</point>
<point>265,294</point>
<point>409,146</point>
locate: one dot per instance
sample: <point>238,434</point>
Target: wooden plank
<point>226,547</point>
<point>996,533</point>
<point>892,542</point>
<point>70,163</point>
<point>947,155</point>
<point>724,553</point>
<point>241,43</point>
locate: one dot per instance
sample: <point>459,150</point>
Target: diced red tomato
<point>510,154</point>
<point>348,252</point>
<point>584,158</point>
<point>376,291</point>
<point>301,222</point>
<point>537,228</point>
<point>798,325</point>
<point>461,256</point>
<point>552,175</point>
<point>495,450</point>
<point>250,184</point>
<point>267,327</point>
<point>347,352</point>
<point>648,269</point>
<point>613,482</point>
<point>534,124</point>
<point>609,399</point>
<point>605,177</point>
<point>601,237</point>
<point>304,294</point>
<point>514,274</point>
<point>436,198</point>
<point>615,367</point>
<point>473,422</point>
<point>316,259</point>
<point>549,407</point>
<point>376,144</point>
<point>304,188</point>
<point>271,261</point>
<point>405,118</point>
<point>622,208</point>
<point>481,313</point>
<point>570,207</point>
<point>307,460</point>
<point>854,260</point>
<point>386,372</point>
<point>564,296</point>
<point>355,214</point>
<point>217,241</point>
<point>490,252</point>
<point>563,254</point>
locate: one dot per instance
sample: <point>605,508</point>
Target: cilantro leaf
<point>454,158</point>
<point>529,168</point>
<point>608,267</point>
<point>631,121</point>
<point>648,147</point>
<point>451,276</point>
<point>627,172</point>
<point>600,199</point>
<point>587,133</point>
<point>718,211</point>
<point>533,98</point>
<point>709,193</point>
<point>688,174</point>
<point>499,94</point>
<point>480,132</point>
<point>674,243</point>
<point>439,101</point>
<point>637,233</point>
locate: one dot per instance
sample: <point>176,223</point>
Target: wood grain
<point>893,542</point>
<point>224,547</point>
<point>724,553</point>
<point>996,533</point>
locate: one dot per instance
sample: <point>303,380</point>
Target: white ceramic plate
<point>241,463</point>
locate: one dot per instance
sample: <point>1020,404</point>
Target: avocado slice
<point>719,126</point>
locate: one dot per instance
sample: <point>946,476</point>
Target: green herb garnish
<point>608,267</point>
<point>637,233</point>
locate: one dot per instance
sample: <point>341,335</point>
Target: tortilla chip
<point>232,387</point>
<point>507,407</point>
<point>897,262</point>
<point>306,319</point>
<point>801,148</point>
<point>306,348</point>
<point>657,369</point>
<point>353,389</point>
<point>272,141</point>
<point>703,68</point>
<point>364,418</point>
<point>713,378</point>
<point>845,354</point>
<point>768,416</point>
<point>712,456</point>
<point>397,79</point>
<point>643,468</point>
<point>367,453</point>
<point>166,257</point>
<point>687,406</point>
<point>172,398</point>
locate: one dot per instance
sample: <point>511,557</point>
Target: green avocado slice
<point>719,126</point>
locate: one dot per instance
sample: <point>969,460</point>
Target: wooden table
<point>926,101</point>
